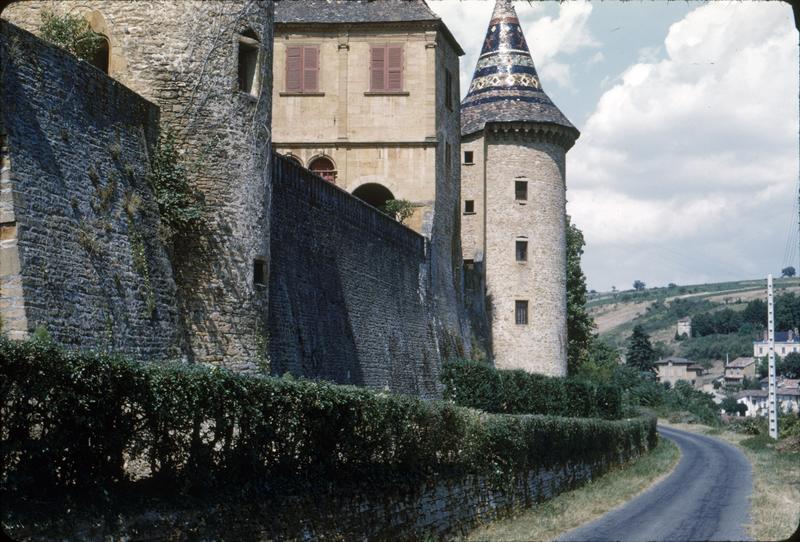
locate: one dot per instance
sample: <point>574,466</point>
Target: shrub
<point>478,385</point>
<point>71,33</point>
<point>71,421</point>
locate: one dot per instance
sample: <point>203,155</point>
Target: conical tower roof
<point>505,86</point>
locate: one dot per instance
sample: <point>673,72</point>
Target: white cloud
<point>694,149</point>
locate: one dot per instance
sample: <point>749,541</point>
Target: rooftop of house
<point>674,360</point>
<point>696,367</point>
<point>336,12</point>
<point>782,337</point>
<point>505,86</point>
<point>741,363</point>
<point>792,392</point>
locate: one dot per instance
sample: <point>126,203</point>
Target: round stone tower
<point>208,66</point>
<point>514,143</point>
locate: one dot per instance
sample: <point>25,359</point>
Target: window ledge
<point>472,213</point>
<point>522,202</point>
<point>247,96</point>
<point>301,94</point>
<point>386,93</point>
<point>469,163</point>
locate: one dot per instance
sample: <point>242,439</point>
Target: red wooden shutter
<point>377,66</point>
<point>294,69</point>
<point>310,69</point>
<point>394,68</point>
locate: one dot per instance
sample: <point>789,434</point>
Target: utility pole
<point>772,402</point>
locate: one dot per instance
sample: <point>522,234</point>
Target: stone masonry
<point>79,250</point>
<point>183,56</point>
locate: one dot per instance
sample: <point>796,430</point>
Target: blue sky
<point>687,166</point>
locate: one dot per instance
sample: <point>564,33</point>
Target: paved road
<point>705,498</point>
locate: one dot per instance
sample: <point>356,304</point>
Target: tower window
<point>249,77</point>
<point>521,190</point>
<point>448,151</point>
<point>469,206</point>
<point>521,312</point>
<point>448,89</point>
<point>522,251</point>
<point>470,282</point>
<point>259,272</point>
<point>469,157</point>
<point>100,58</point>
<point>386,68</point>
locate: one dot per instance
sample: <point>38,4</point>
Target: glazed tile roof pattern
<point>505,86</point>
<point>352,11</point>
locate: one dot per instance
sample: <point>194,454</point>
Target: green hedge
<point>478,385</point>
<point>71,421</point>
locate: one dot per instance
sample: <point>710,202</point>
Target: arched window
<point>323,166</point>
<point>249,73</point>
<point>294,159</point>
<point>373,193</point>
<point>101,55</point>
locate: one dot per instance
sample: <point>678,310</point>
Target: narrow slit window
<point>521,190</point>
<point>521,312</point>
<point>448,89</point>
<point>469,157</point>
<point>259,272</point>
<point>249,47</point>
<point>469,206</point>
<point>470,283</point>
<point>522,251</point>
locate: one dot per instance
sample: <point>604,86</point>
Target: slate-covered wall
<point>80,249</point>
<point>349,290</point>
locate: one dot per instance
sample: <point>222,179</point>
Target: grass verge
<point>547,520</point>
<point>775,503</point>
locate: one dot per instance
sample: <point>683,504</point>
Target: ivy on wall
<point>71,33</point>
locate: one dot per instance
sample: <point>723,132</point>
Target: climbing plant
<point>180,206</point>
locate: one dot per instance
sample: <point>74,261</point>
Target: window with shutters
<point>302,69</point>
<point>386,68</point>
<point>521,312</point>
<point>249,73</point>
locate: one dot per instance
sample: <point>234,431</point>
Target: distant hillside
<point>658,309</point>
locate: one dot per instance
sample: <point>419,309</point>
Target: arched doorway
<point>101,55</point>
<point>373,193</point>
<point>323,166</point>
<point>294,159</point>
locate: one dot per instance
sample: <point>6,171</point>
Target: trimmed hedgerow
<point>478,385</point>
<point>80,421</point>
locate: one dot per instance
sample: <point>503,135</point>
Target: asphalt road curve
<point>705,498</point>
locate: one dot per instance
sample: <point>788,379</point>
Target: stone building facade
<point>207,66</point>
<point>514,145</point>
<point>366,94</point>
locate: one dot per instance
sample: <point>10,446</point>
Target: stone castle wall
<point>79,253</point>
<point>183,56</point>
<point>349,290</point>
<point>535,155</point>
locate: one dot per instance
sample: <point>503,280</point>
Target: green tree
<point>601,362</point>
<point>640,352</point>
<point>790,366</point>
<point>580,326</point>
<point>399,209</point>
<point>730,405</point>
<point>788,271</point>
<point>638,285</point>
<point>755,312</point>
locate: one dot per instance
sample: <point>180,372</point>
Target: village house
<point>738,369</point>
<point>684,327</point>
<point>673,369</point>
<point>786,342</point>
<point>756,401</point>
